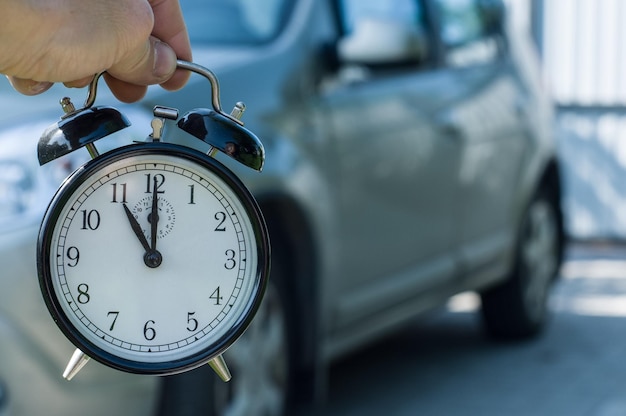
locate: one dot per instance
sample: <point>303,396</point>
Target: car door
<point>493,138</point>
<point>396,174</point>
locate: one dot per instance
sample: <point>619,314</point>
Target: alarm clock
<point>153,257</point>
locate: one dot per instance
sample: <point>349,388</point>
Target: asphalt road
<point>443,365</point>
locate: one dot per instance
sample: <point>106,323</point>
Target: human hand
<point>137,42</point>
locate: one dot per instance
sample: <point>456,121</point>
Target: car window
<point>466,31</point>
<point>241,22</point>
<point>408,12</point>
<point>383,34</point>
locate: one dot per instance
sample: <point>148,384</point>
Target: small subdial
<point>166,216</point>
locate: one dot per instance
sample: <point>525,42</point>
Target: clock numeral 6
<point>149,333</point>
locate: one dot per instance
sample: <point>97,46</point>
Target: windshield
<point>234,21</point>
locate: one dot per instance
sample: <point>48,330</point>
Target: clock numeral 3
<point>230,260</point>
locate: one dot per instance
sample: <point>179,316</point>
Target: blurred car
<point>410,157</point>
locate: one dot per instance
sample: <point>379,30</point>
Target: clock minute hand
<point>154,216</point>
<point>137,229</point>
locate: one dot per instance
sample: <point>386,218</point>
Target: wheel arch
<point>552,182</point>
<point>292,242</point>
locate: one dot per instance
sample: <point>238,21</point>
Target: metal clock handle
<point>189,66</point>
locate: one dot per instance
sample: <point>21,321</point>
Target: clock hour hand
<point>152,258</point>
<point>137,229</point>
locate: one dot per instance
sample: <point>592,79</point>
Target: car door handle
<point>448,124</point>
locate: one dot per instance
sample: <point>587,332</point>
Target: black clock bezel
<point>61,197</point>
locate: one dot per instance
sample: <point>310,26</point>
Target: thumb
<point>154,62</point>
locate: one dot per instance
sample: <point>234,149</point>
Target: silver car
<point>410,157</point>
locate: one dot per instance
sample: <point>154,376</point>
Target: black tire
<point>518,308</point>
<point>259,364</point>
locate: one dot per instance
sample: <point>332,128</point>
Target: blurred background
<point>445,196</point>
<point>583,60</point>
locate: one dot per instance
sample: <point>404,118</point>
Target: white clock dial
<point>104,270</point>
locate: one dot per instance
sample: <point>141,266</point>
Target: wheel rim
<point>539,256</point>
<point>258,361</point>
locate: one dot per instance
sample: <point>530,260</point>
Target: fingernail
<point>28,86</point>
<point>39,87</point>
<point>164,61</point>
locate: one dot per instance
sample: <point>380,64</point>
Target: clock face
<point>151,260</point>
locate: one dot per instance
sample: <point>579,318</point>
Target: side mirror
<point>493,14</point>
<point>376,41</point>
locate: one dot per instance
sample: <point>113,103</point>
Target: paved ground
<point>444,366</point>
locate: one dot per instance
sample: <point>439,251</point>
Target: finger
<point>79,83</point>
<point>124,91</point>
<point>28,86</point>
<point>169,26</point>
<point>153,62</point>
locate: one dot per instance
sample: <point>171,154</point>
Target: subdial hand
<point>152,258</point>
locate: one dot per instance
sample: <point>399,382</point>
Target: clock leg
<point>219,366</point>
<point>76,363</point>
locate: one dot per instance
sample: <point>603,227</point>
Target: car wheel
<point>258,362</point>
<point>518,307</point>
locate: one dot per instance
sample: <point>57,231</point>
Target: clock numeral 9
<point>73,255</point>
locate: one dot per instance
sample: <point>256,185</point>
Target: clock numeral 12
<point>159,180</point>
